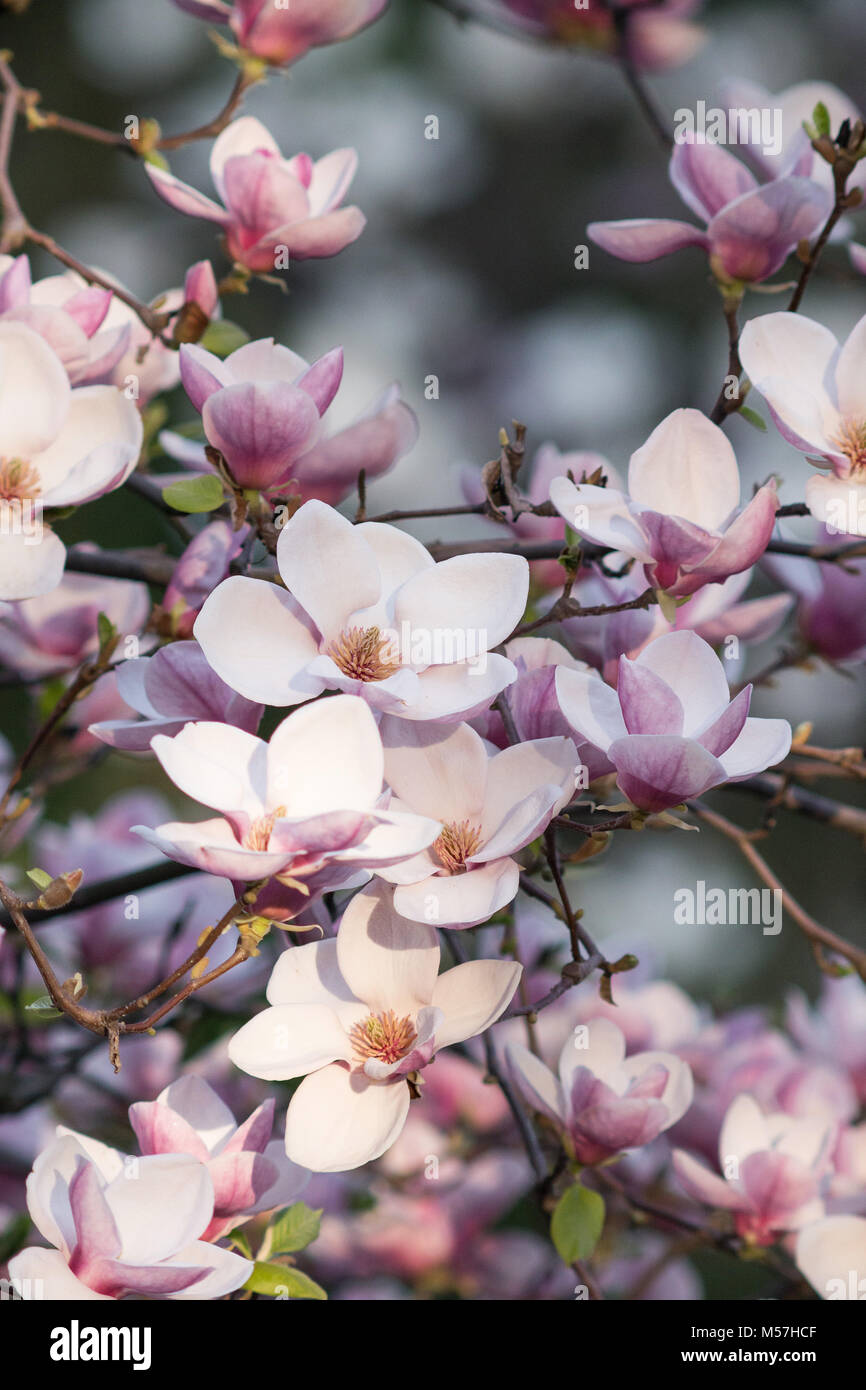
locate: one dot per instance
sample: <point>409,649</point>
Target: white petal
<point>761,743</point>
<point>290,1040</point>
<point>330,589</point>
<point>691,668</point>
<point>439,770</point>
<point>228,1271</point>
<point>34,392</point>
<point>253,637</point>
<point>591,707</point>
<point>339,1120</point>
<point>386,961</point>
<point>30,563</point>
<point>176,1186</point>
<point>460,900</point>
<point>686,468</point>
<point>472,996</point>
<point>326,756</point>
<point>220,766</point>
<point>599,1046</point>
<point>514,775</point>
<point>198,1103</point>
<point>45,1274</point>
<point>466,605</point>
<point>536,1082</point>
<point>832,1255</point>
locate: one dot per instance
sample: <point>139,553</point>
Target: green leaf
<point>753,418</point>
<point>44,1007</point>
<point>201,494</point>
<point>295,1229</point>
<point>283,1281</point>
<point>577,1223</point>
<point>105,629</point>
<point>239,1238</point>
<point>39,877</point>
<point>821,119</point>
<point>667,604</point>
<point>222,337</point>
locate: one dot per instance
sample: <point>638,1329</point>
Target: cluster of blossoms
<point>386,755</point>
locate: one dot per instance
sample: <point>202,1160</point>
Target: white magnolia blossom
<point>359,1016</point>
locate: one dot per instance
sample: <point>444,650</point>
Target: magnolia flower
<point>532,702</point>
<point>772,1166</point>
<point>367,612</point>
<point>69,314</point>
<point>204,563</point>
<point>261,409</point>
<point>751,228</point>
<point>271,204</point>
<point>814,389</point>
<point>681,518</point>
<point>171,689</point>
<point>122,1227</point>
<point>58,447</point>
<point>670,729</point>
<point>359,1016</point>
<point>309,800</point>
<point>603,1102</point>
<point>280,34</point>
<point>792,152</point>
<point>832,1255</point>
<point>490,805</point>
<point>830,598</point>
<point>656,36</point>
<point>249,1171</point>
<point>716,612</point>
<point>56,632</point>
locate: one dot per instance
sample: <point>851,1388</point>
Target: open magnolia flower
<point>123,1226</point>
<point>491,805</point>
<point>56,632</point>
<point>171,689</point>
<point>832,1255</point>
<point>306,806</point>
<point>772,1168</point>
<point>603,1102</point>
<point>751,228</point>
<point>261,409</point>
<point>370,613</point>
<point>280,34</point>
<point>272,205</point>
<point>670,729</point>
<point>816,391</point>
<point>250,1171</point>
<point>58,447</point>
<point>681,518</point>
<point>69,314</point>
<point>359,1017</point>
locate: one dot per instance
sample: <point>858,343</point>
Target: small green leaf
<point>295,1229</point>
<point>239,1238</point>
<point>44,1007</point>
<point>39,877</point>
<point>106,631</point>
<point>753,418</point>
<point>577,1223</point>
<point>667,604</point>
<point>222,337</point>
<point>821,119</point>
<point>283,1281</point>
<point>201,494</point>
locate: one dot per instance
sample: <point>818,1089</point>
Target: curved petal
<point>326,756</point>
<point>591,707</point>
<point>438,770</point>
<point>479,599</point>
<point>472,996</point>
<point>221,767</point>
<point>329,593</point>
<point>460,900</point>
<point>762,743</point>
<point>687,468</point>
<point>387,962</point>
<point>645,238</point>
<point>256,639</point>
<point>289,1040</point>
<point>339,1120</point>
<point>657,771</point>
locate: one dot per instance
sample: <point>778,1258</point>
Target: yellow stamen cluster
<point>259,834</point>
<point>363,654</point>
<point>851,441</point>
<point>19,480</point>
<point>384,1036</point>
<point>457,842</point>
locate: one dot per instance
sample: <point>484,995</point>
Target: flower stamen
<point>259,834</point>
<point>383,1036</point>
<point>851,441</point>
<point>363,654</point>
<point>457,843</point>
<point>19,480</point>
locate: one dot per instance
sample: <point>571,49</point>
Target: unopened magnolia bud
<point>60,890</point>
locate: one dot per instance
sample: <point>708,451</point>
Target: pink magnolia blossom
<point>815,391</point>
<point>119,1231</point>
<point>490,805</point>
<point>532,702</point>
<point>750,228</point>
<point>307,801</point>
<point>681,519</point>
<point>657,36</point>
<point>834,1029</point>
<point>715,612</point>
<point>171,689</point>
<point>367,612</point>
<point>671,730</point>
<point>262,407</point>
<point>270,202</point>
<point>358,1015</point>
<point>282,33</point>
<point>59,447</point>
<point>204,563</point>
<point>57,631</point>
<point>69,314</point>
<point>795,106</point>
<point>831,1253</point>
<point>603,1102</point>
<point>830,599</point>
<point>249,1170</point>
<point>772,1166</point>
